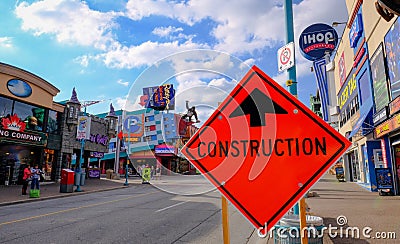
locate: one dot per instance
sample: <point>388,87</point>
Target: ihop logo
<point>317,40</point>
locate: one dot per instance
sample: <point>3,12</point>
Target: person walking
<point>35,177</point>
<point>26,178</point>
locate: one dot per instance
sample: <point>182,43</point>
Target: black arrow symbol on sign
<point>257,104</point>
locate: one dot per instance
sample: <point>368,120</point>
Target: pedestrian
<point>35,177</point>
<point>158,172</point>
<point>26,178</point>
<point>152,172</point>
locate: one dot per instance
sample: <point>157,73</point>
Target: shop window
<point>53,122</point>
<point>5,107</point>
<point>31,115</point>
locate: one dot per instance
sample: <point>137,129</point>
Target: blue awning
<point>108,156</point>
<point>359,123</point>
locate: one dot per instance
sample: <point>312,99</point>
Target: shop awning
<point>108,156</point>
<point>357,126</point>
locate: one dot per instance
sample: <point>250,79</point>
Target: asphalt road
<point>137,214</point>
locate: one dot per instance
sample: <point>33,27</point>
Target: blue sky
<point>110,50</point>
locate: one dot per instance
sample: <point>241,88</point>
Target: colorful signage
<point>342,69</point>
<point>19,88</point>
<point>394,106</point>
<point>158,97</point>
<point>317,40</point>
<point>387,126</point>
<point>99,139</point>
<point>356,31</point>
<point>393,58</point>
<point>133,125</point>
<point>96,154</point>
<point>383,178</point>
<point>163,98</point>
<point>348,90</point>
<point>83,128</point>
<point>322,82</point>
<point>380,116</point>
<point>379,79</point>
<point>248,140</point>
<point>146,174</point>
<point>164,149</point>
<point>13,129</point>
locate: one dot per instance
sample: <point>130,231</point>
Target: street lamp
<point>335,24</point>
<point>78,170</point>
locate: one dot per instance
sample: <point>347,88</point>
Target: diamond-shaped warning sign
<point>263,149</point>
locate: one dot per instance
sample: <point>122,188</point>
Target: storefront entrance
<point>354,166</point>
<point>14,159</point>
<point>396,150</point>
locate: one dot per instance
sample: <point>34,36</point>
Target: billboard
<point>393,58</point>
<point>379,79</point>
<point>158,97</point>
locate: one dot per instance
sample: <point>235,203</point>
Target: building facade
<point>149,138</point>
<point>30,125</point>
<point>84,149</point>
<point>365,73</point>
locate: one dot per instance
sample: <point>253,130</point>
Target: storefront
<point>29,124</point>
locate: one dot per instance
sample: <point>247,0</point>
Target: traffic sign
<point>263,149</point>
<point>286,57</point>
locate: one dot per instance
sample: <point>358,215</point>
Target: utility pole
<point>290,38</point>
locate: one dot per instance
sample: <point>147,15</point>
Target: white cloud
<point>71,21</point>
<point>6,42</point>
<point>166,31</point>
<point>239,27</point>
<point>83,60</point>
<point>149,53</point>
<point>120,103</point>
<point>122,82</point>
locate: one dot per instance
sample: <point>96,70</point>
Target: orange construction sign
<point>263,149</point>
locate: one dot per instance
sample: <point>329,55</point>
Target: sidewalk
<point>12,194</point>
<point>357,207</point>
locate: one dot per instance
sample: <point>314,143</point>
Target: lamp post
<point>78,170</point>
<point>126,174</point>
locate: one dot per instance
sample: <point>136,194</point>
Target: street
<point>137,214</point>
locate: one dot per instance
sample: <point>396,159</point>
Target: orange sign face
<point>263,149</point>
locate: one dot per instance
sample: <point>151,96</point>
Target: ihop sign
<point>317,40</point>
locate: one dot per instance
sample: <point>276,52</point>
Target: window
<point>5,107</point>
<point>149,118</point>
<point>33,116</point>
<point>150,128</point>
<point>53,121</point>
<point>71,112</point>
<point>357,103</point>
